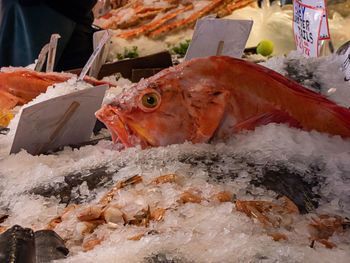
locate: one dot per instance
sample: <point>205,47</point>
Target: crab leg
<point>142,10</point>
<point>142,13</point>
<point>190,21</point>
<point>115,12</point>
<point>173,1</point>
<point>168,17</point>
<point>113,23</point>
<point>236,4</point>
<point>154,24</point>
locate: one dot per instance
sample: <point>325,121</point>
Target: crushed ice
<point>205,232</point>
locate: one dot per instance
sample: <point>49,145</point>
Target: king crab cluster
<point>163,17</point>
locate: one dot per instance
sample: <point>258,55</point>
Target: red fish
<point>209,98</point>
<point>27,84</point>
<point>18,86</point>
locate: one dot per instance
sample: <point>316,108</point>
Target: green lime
<point>265,47</point>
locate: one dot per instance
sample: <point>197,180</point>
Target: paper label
<point>306,28</point>
<point>346,64</point>
<point>92,58</point>
<point>102,56</point>
<point>324,32</point>
<point>224,37</point>
<point>60,121</point>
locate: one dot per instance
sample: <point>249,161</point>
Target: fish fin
<point>275,116</point>
<point>7,100</point>
<point>317,112</point>
<point>209,113</point>
<point>269,88</point>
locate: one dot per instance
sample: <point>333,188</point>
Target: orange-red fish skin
<point>256,90</point>
<point>27,85</point>
<point>7,101</point>
<point>211,98</point>
<point>275,116</point>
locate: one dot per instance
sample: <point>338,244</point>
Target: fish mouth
<point>128,132</point>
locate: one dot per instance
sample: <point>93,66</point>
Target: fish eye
<point>149,100</point>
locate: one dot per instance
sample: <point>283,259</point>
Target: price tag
<point>64,120</point>
<point>324,32</point>
<point>219,37</point>
<point>306,28</point>
<point>102,56</point>
<point>94,55</point>
<point>344,52</point>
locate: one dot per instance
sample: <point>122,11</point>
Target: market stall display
<point>155,218</point>
<point>185,15</point>
<point>216,159</point>
<point>271,22</point>
<point>19,86</point>
<point>210,98</point>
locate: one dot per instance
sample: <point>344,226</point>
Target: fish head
<point>169,108</point>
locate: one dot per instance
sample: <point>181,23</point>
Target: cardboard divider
<point>138,74</point>
<point>141,66</point>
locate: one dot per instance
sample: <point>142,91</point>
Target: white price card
<point>94,55</point>
<point>306,28</point>
<point>64,120</point>
<point>344,52</point>
<point>324,32</point>
<point>219,37</point>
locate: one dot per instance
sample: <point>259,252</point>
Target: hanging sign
<point>324,32</point>
<point>306,28</point>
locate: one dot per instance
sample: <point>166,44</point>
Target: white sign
<point>60,121</point>
<point>94,55</point>
<point>324,33</point>
<point>306,28</point>
<point>344,52</point>
<point>213,37</point>
<point>102,56</point>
